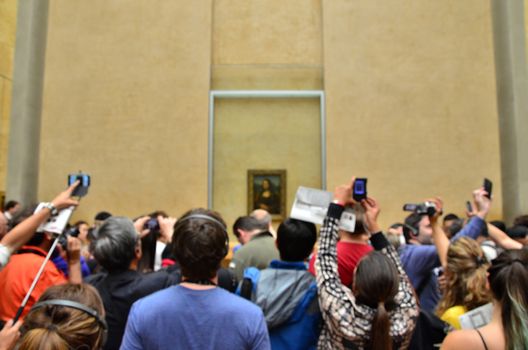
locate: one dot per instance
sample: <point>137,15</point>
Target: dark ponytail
<point>379,337</point>
<point>508,278</point>
<point>376,284</point>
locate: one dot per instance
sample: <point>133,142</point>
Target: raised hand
<point>64,199</point>
<point>372,211</point>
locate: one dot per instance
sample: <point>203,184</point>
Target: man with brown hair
<point>194,314</point>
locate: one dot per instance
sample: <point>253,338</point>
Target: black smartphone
<point>469,207</point>
<point>84,182</point>
<point>488,186</point>
<point>359,191</point>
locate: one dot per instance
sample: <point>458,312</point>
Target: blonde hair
<point>466,276</point>
<point>54,327</point>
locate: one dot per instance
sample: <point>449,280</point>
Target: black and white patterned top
<point>347,323</point>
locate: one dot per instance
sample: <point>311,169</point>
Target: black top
<point>120,290</point>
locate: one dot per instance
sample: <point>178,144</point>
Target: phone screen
<point>71,179</point>
<point>360,189</point>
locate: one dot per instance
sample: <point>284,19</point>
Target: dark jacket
<point>120,290</point>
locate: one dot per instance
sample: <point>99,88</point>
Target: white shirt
<point>5,253</point>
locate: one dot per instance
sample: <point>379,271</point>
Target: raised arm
<point>337,302</point>
<point>440,239</point>
<point>23,232</point>
<point>481,205</point>
<point>342,314</point>
<point>503,239</point>
<point>74,260</point>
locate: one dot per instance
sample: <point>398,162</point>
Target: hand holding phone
<point>84,182</point>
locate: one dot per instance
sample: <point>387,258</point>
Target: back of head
<point>395,235</point>
<point>10,205</point>
<point>248,223</point>
<point>450,217</point>
<point>521,220</point>
<point>517,232</point>
<point>465,276</point>
<point>394,240</point>
<point>263,216</point>
<point>499,224</point>
<point>200,242</point>
<point>60,327</point>
<point>508,279</point>
<point>115,245</point>
<point>295,239</point>
<point>22,215</point>
<point>454,228</point>
<point>38,237</point>
<point>102,216</point>
<point>376,283</point>
<point>360,227</point>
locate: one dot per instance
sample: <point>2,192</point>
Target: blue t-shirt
<point>419,262</point>
<point>183,318</point>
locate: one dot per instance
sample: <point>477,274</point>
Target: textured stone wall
<point>8,11</point>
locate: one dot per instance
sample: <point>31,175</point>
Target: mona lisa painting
<point>267,190</point>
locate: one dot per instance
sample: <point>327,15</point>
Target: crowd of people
<point>157,282</point>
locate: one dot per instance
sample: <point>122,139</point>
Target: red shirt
<point>17,276</point>
<point>348,256</point>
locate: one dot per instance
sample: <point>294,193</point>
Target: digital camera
<point>425,208</point>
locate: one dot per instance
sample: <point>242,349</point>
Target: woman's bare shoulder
<point>468,339</point>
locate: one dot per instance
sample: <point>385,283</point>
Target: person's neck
<point>496,316</point>
<point>360,238</point>
<point>415,241</point>
<point>196,286</point>
<point>259,234</point>
<point>45,245</point>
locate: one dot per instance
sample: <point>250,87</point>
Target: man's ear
<point>413,233</point>
<point>137,250</point>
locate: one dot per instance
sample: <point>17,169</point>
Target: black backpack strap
<point>246,288</point>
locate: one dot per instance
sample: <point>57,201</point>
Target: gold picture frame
<point>267,190</point>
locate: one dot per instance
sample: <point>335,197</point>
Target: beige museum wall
<point>271,32</point>
<point>126,100</point>
<point>265,45</point>
<point>411,100</point>
<point>410,94</point>
<point>264,134</point>
<point>526,25</point>
<point>8,11</point>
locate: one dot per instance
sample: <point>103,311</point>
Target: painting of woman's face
<point>267,191</point>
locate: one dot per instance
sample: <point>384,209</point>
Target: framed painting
<point>267,190</point>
